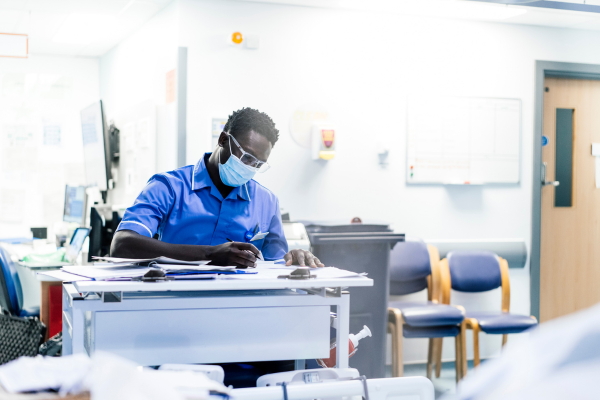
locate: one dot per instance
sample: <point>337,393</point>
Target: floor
<point>444,385</point>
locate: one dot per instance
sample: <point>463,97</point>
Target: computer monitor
<point>74,204</point>
<point>95,146</point>
<point>103,229</point>
<point>76,244</point>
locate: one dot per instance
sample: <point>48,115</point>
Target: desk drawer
<point>155,337</point>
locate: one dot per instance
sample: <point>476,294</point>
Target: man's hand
<point>303,258</point>
<point>238,254</point>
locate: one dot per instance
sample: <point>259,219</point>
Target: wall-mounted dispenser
<point>323,137</point>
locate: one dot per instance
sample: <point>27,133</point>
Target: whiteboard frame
<point>520,168</point>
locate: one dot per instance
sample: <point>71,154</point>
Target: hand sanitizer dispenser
<point>323,139</point>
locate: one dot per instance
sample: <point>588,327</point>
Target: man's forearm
<point>129,244</point>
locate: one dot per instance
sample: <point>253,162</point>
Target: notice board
<point>460,140</point>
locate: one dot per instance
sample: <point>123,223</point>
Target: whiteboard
<point>460,140</point>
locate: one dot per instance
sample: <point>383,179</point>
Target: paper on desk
<point>332,272</point>
<point>113,265</point>
<point>174,267</point>
<point>106,273</point>
<point>271,264</point>
<point>274,273</point>
<point>195,276</point>
<point>166,267</point>
<point>160,260</point>
<point>64,276</point>
<point>126,272</point>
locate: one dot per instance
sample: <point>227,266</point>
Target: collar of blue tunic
<point>201,179</point>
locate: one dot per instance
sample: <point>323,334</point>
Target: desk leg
<point>73,326</point>
<point>78,332</point>
<point>343,316</point>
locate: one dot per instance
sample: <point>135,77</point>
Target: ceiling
<point>58,26</point>
<point>42,20</point>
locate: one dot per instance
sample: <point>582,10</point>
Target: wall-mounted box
<point>323,138</point>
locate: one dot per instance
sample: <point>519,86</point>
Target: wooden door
<point>570,231</point>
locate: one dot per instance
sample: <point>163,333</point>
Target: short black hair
<point>247,119</point>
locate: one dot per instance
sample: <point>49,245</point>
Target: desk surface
<point>220,284</point>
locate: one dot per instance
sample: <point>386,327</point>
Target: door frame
<point>546,69</point>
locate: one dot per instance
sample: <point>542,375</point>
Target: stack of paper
<point>142,261</point>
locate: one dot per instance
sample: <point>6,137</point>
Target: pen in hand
<point>259,256</point>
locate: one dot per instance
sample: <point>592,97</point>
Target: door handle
<point>544,181</point>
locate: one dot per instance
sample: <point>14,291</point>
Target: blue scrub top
<point>185,207</point>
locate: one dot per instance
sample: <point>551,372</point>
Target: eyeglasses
<point>248,158</point>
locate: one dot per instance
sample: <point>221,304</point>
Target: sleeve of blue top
<point>275,245</point>
<point>150,208</point>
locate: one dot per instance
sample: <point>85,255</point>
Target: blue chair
<point>481,271</point>
<point>11,293</point>
<point>414,266</point>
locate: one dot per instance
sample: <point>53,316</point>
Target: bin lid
<point>342,226</point>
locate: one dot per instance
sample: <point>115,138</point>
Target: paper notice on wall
<point>19,135</point>
<point>52,135</point>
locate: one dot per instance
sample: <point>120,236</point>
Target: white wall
<point>36,93</point>
<point>133,86</point>
<point>363,67</point>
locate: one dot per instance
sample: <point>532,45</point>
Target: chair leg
<point>463,348</point>
<point>475,344</point>
<point>458,357</point>
<point>438,344</point>
<point>430,357</point>
<point>395,328</point>
<point>504,340</point>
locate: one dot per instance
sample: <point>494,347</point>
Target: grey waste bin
<point>361,247</point>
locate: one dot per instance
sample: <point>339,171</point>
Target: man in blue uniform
<point>211,210</point>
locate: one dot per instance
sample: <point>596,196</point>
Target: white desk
<point>217,321</point>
